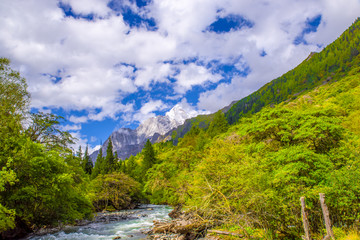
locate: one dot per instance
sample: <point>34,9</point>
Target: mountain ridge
<point>127,142</point>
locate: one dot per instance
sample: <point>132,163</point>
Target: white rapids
<point>125,229</point>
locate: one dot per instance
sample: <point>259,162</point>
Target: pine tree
<point>98,169</point>
<point>130,167</point>
<point>110,163</point>
<point>87,163</point>
<point>118,162</point>
<point>79,155</point>
<point>149,156</point>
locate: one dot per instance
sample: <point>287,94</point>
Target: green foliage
<point>200,121</point>
<point>7,217</point>
<point>110,163</point>
<point>218,125</point>
<point>47,190</point>
<point>130,167</point>
<point>149,156</point>
<point>87,164</point>
<point>99,165</point>
<point>44,128</point>
<point>14,98</point>
<point>116,189</point>
<point>41,183</point>
<point>254,173</point>
<point>107,164</point>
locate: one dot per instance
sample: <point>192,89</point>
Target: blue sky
<point>107,64</point>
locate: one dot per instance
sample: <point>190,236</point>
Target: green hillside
<point>254,174</point>
<point>319,68</point>
<point>328,65</point>
<point>249,177</point>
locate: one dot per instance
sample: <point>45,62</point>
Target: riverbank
<point>181,226</point>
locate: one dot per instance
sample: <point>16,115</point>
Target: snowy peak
<point>159,124</point>
<point>130,142</point>
<point>177,115</point>
<point>163,124</point>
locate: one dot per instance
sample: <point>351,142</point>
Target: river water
<point>126,229</point>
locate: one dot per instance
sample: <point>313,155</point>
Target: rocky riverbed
<point>127,224</point>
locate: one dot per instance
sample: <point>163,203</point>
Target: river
<point>126,229</point>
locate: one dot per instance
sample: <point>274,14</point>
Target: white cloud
<point>154,73</point>
<point>104,60</point>
<point>70,127</point>
<point>147,110</point>
<point>276,26</point>
<point>191,110</point>
<point>152,106</point>
<point>76,119</point>
<point>98,7</point>
<point>191,75</point>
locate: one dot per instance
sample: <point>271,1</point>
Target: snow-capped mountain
<point>163,124</point>
<point>129,142</point>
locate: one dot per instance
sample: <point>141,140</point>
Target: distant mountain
<point>129,142</point>
<point>163,124</point>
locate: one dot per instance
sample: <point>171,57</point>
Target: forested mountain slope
<point>328,65</point>
<point>263,164</point>
<point>253,173</point>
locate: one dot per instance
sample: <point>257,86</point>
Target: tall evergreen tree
<point>130,167</point>
<point>149,156</point>
<point>79,155</point>
<point>118,162</point>
<point>109,163</point>
<point>87,163</point>
<point>98,168</point>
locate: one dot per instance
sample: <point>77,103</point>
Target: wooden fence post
<point>329,233</point>
<point>305,220</point>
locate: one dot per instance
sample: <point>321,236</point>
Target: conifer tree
<point>98,169</point>
<point>118,162</point>
<point>120,166</point>
<point>87,163</point>
<point>130,167</point>
<point>109,163</point>
<point>79,155</point>
<point>149,156</point>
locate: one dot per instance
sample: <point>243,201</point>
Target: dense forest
<point>245,171</point>
<point>43,182</point>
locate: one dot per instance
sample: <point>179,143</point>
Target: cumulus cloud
<point>158,72</point>
<point>191,110</point>
<point>70,127</point>
<point>92,66</point>
<point>147,110</point>
<point>98,7</point>
<point>191,75</point>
